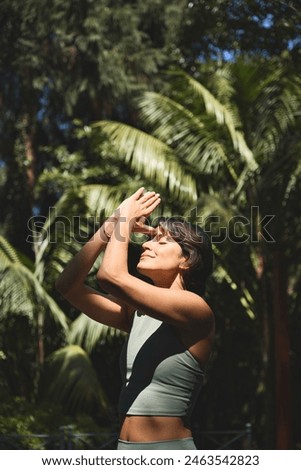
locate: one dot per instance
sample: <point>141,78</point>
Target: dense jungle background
<point>198,100</point>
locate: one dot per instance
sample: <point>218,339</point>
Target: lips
<point>146,256</point>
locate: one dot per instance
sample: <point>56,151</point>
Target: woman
<point>171,326</point>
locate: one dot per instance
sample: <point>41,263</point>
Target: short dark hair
<point>196,247</point>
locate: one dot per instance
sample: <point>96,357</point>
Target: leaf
<point>74,216</point>
<point>87,332</point>
<point>20,291</point>
<point>244,296</point>
<point>71,381</point>
<point>8,255</point>
<point>223,116</point>
<point>184,131</point>
<point>150,157</point>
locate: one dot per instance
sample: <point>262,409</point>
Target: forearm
<point>115,261</point>
<point>114,267</point>
<point>78,268</point>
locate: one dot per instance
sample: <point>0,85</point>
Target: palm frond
<point>8,254</point>
<point>15,294</point>
<point>166,116</point>
<point>71,221</point>
<point>71,381</point>
<point>22,294</point>
<point>224,116</point>
<point>221,84</point>
<point>185,132</point>
<point>214,215</point>
<point>284,170</point>
<point>20,291</point>
<point>292,183</point>
<point>243,294</point>
<point>214,207</point>
<point>150,157</point>
<point>277,107</point>
<point>87,333</point>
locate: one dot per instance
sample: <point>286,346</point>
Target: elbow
<point>69,292</point>
<point>106,279</point>
<point>103,276</point>
<point>60,287</point>
<point>64,287</point>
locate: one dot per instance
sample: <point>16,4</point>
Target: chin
<point>142,269</point>
<point>144,274</point>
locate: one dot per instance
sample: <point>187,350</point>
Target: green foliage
<point>70,381</point>
<point>89,333</point>
<point>45,426</point>
<point>21,292</point>
<point>241,27</point>
<point>215,141</point>
<point>151,158</point>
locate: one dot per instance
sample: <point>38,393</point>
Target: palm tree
<point>24,306</point>
<point>26,309</point>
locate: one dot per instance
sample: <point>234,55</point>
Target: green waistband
<point>173,444</point>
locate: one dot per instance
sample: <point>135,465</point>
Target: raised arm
<point>108,310</point>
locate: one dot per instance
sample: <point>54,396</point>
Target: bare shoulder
<point>197,306</point>
<point>199,331</point>
<point>190,311</point>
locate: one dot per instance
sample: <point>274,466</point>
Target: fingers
<point>151,204</point>
<point>149,198</point>
<point>137,195</point>
<point>144,196</point>
<point>142,220</point>
<point>146,229</point>
<point>141,204</point>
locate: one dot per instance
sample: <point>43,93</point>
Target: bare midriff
<point>153,428</point>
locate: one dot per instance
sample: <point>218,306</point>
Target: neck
<point>169,283</point>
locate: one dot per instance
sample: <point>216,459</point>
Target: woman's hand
<point>136,209</point>
<point>131,216</point>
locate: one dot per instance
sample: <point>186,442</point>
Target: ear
<point>184,265</point>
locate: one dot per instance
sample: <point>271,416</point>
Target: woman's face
<point>161,256</point>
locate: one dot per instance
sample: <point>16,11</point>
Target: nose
<point>146,245</point>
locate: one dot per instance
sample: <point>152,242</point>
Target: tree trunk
<point>282,353</point>
<point>30,159</point>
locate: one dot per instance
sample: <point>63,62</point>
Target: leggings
<point>174,444</point>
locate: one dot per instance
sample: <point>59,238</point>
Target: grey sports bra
<point>160,376</point>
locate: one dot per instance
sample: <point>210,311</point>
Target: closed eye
<point>166,239</point>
